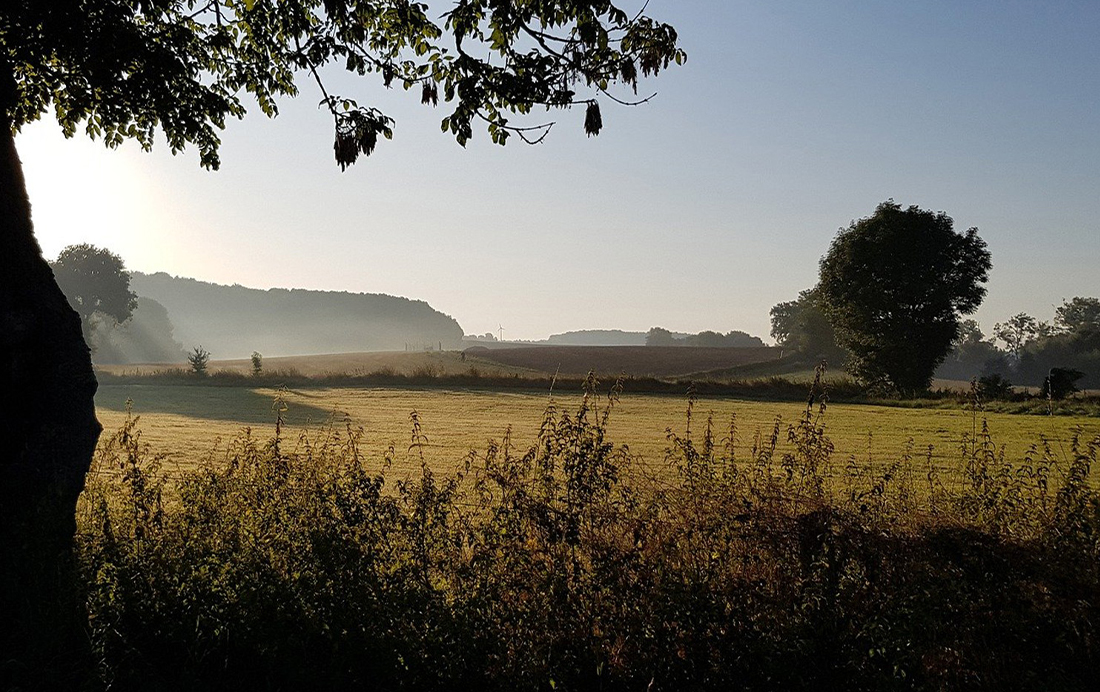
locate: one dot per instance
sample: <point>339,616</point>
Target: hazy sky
<point>699,210</point>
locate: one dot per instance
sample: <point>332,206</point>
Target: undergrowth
<point>299,564</point>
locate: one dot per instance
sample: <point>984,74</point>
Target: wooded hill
<point>233,321</point>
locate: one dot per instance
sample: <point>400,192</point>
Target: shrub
<point>198,359</point>
<point>1060,383</point>
<point>257,364</point>
<point>994,386</point>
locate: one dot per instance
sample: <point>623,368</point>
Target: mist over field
<point>234,321</point>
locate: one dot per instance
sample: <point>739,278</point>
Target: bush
<point>994,386</point>
<point>1060,383</point>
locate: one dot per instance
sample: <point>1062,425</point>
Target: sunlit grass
<point>185,422</point>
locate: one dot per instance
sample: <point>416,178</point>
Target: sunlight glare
<point>82,192</point>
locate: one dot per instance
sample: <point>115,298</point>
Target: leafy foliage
<point>893,286</point>
<point>1061,382</point>
<point>801,325</point>
<point>95,281</point>
<point>1017,332</point>
<point>1078,315</point>
<point>124,70</point>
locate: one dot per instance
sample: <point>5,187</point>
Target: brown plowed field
<point>637,361</point>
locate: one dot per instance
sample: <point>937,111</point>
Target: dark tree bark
<point>49,431</point>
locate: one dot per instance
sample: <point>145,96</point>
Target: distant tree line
<point>232,321</point>
<point>1026,351</point>
<point>659,336</point>
<point>125,315</point>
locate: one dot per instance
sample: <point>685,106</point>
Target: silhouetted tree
<point>894,284</point>
<point>198,359</point>
<point>120,69</point>
<point>659,336</point>
<point>1060,383</point>
<point>801,326</point>
<point>1078,314</point>
<point>95,281</point>
<point>972,355</point>
<point>1017,332</point>
<point>147,337</point>
<point>712,339</point>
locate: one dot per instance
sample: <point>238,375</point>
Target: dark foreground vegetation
<point>302,565</point>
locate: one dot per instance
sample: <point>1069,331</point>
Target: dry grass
<point>185,422</point>
<point>636,361</point>
<point>561,567</point>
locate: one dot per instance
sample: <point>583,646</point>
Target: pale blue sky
<point>699,210</point>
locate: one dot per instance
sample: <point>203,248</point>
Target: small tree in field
<point>198,359</point>
<point>1060,383</point>
<point>257,364</point>
<point>894,285</point>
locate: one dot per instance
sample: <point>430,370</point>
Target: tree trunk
<point>49,435</point>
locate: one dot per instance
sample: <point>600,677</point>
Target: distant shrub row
<point>771,388</point>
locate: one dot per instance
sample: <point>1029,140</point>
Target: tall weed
<point>298,563</point>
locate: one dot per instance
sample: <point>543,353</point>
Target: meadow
<point>187,422</point>
<point>281,562</point>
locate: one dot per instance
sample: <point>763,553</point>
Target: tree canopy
<point>801,325</point>
<point>1017,332</point>
<point>1078,315</point>
<point>894,285</point>
<point>96,282</point>
<point>124,69</point>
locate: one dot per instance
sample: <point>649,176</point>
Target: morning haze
<point>775,368</point>
<point>700,210</point>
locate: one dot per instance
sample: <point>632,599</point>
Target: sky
<point>698,210</point>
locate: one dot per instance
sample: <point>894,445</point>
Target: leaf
<point>593,121</point>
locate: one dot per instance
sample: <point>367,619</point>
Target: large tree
<point>139,69</point>
<point>894,285</point>
<point>96,283</point>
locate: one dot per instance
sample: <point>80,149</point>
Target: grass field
<point>188,422</point>
<point>648,361</point>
